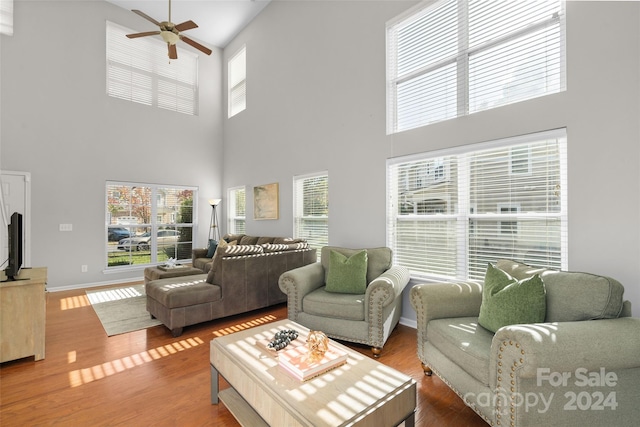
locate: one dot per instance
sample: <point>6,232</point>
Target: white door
<point>15,197</point>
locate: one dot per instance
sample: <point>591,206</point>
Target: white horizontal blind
<point>450,213</point>
<point>311,209</point>
<point>139,70</point>
<point>6,17</point>
<point>237,75</point>
<point>237,210</point>
<point>455,57</point>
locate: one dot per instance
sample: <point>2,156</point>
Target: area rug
<point>122,310</point>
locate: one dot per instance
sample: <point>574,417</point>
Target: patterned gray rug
<point>122,310</point>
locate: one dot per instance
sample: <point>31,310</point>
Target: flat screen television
<point>15,247</point>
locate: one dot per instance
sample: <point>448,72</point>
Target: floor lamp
<point>214,233</point>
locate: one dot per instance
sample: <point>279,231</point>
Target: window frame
<point>460,61</point>
<point>237,83</point>
<point>464,218</point>
<point>232,211</point>
<point>155,226</point>
<point>299,212</point>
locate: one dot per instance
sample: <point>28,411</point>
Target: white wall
<point>316,101</point>
<point>58,123</point>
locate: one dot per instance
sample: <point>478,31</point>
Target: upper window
<point>237,85</point>
<point>147,224</point>
<point>481,211</point>
<point>450,58</point>
<point>6,17</point>
<point>311,209</point>
<point>236,211</point>
<point>138,70</point>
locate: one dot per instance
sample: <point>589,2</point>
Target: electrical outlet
<point>84,268</point>
<point>66,227</point>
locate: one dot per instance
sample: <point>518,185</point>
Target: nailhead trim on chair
<point>514,365</point>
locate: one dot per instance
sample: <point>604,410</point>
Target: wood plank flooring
<point>149,378</point>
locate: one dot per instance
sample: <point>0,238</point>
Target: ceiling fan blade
<point>173,52</point>
<point>145,16</point>
<point>148,33</point>
<point>195,44</point>
<point>186,25</point>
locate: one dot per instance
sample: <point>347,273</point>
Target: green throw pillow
<point>347,275</point>
<point>507,301</point>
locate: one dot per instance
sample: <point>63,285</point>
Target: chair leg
<point>427,370</point>
<point>376,351</point>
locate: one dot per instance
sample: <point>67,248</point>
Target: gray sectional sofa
<point>237,279</point>
<point>580,367</point>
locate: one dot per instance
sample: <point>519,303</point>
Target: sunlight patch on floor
<point>245,325</point>
<point>79,377</point>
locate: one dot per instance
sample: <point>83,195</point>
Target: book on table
<point>297,361</point>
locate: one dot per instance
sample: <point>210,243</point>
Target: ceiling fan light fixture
<point>169,37</point>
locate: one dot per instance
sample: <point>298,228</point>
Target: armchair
<point>367,318</point>
<point>551,373</point>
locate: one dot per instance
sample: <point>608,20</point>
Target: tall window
<point>481,211</point>
<point>450,58</point>
<point>139,70</point>
<point>237,86</point>
<point>311,209</point>
<point>236,210</point>
<point>147,224</point>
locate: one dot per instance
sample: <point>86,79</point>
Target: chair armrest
<point>566,346</point>
<point>384,289</point>
<point>299,282</point>
<point>444,300</point>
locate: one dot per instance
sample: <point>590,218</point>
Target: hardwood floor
<point>149,378</point>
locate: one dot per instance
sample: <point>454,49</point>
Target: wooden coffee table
<point>362,392</point>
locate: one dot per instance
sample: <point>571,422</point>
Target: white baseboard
<point>94,284</point>
<point>412,323</point>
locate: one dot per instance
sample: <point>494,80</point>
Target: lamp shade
<point>214,202</point>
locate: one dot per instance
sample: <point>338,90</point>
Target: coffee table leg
<point>411,420</point>
<point>214,385</point>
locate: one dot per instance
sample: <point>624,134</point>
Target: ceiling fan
<point>170,33</point>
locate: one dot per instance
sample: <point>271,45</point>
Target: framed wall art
<point>265,201</point>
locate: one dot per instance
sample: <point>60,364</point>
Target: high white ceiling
<point>218,20</point>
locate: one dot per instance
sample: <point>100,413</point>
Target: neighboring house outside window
<point>236,210</point>
<point>142,233</point>
<point>482,211</point>
<point>450,58</point>
<point>139,70</point>
<point>311,209</point>
<point>237,82</point>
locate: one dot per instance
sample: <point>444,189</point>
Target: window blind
<point>237,75</point>
<point>452,212</point>
<point>456,57</point>
<point>6,17</point>
<point>237,210</point>
<point>311,209</point>
<point>139,70</point>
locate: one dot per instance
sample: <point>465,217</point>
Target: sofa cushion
<point>173,293</point>
<point>279,247</point>
<point>573,296</point>
<point>263,240</point>
<point>508,301</point>
<point>234,250</point>
<point>248,240</point>
<point>334,305</point>
<point>464,342</point>
<point>378,260</point>
<point>347,275</point>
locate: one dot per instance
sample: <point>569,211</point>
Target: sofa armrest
<point>198,253</point>
<point>566,346</point>
<point>299,282</point>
